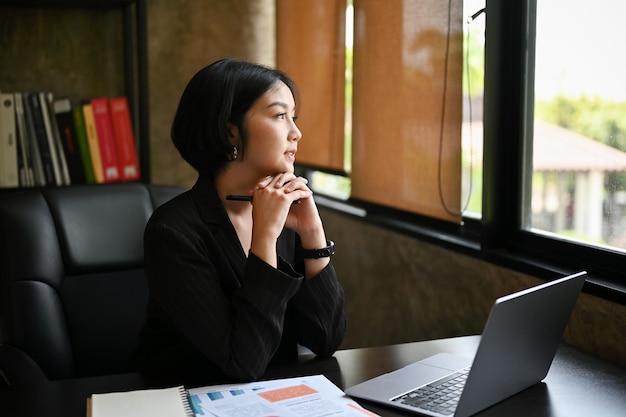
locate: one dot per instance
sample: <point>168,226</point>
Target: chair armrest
<point>17,368</point>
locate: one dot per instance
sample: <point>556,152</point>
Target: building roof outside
<point>559,149</point>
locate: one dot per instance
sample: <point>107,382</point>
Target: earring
<point>234,154</point>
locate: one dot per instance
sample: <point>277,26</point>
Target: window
<point>512,223</point>
<point>473,89</point>
<point>457,117</point>
<point>406,97</point>
<point>579,132</point>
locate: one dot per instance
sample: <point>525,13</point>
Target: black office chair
<point>73,291</point>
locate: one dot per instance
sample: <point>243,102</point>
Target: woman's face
<point>273,136</point>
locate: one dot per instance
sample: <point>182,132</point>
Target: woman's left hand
<point>303,216</point>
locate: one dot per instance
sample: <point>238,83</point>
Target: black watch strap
<point>320,253</point>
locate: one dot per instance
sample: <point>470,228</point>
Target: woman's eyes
<point>283,116</point>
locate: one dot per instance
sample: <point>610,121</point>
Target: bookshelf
<point>80,49</point>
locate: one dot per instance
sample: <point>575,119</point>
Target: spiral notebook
<point>162,402</point>
<point>305,396</point>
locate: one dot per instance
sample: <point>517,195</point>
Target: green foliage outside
<point>474,64</point>
<point>595,118</point>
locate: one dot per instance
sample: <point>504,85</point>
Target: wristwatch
<point>320,253</point>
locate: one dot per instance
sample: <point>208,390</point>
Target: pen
<point>247,198</point>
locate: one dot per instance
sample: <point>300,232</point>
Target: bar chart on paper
<point>292,397</point>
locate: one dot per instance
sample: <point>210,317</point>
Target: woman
<point>236,285</point>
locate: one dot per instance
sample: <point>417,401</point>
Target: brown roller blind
<point>399,73</point>
<point>310,41</point>
<point>406,147</point>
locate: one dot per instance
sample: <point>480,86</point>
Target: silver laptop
<point>516,349</point>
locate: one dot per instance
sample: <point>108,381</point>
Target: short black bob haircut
<point>219,94</point>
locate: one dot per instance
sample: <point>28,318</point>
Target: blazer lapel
<point>213,213</point>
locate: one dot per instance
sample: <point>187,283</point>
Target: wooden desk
<point>578,384</point>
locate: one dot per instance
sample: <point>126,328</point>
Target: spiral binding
<point>186,400</point>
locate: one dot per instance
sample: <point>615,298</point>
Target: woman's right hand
<point>272,200</point>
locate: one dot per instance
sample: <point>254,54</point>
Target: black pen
<point>247,198</point>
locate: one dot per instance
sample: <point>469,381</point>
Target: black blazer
<point>218,315</point>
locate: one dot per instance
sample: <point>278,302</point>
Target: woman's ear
<point>233,133</point>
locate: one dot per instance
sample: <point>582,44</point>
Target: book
<point>124,138</point>
<point>47,148</point>
<point>92,140</point>
<point>54,138</point>
<point>83,143</point>
<point>8,146</point>
<point>308,396</point>
<point>161,402</point>
<point>106,139</point>
<point>62,108</point>
<point>40,155</point>
<point>25,163</point>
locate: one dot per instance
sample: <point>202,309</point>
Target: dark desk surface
<point>578,384</point>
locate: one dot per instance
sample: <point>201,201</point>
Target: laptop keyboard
<point>441,396</point>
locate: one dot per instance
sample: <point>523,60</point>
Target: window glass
<point>473,88</point>
<point>579,129</point>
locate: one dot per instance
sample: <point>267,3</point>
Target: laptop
<point>516,349</point>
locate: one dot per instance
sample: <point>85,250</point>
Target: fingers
<point>295,184</point>
<point>264,182</point>
<point>288,181</point>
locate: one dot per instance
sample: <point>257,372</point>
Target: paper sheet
<point>310,396</point>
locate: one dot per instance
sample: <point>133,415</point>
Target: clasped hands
<point>273,206</point>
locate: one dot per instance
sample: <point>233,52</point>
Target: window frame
<point>498,236</point>
<point>509,113</point>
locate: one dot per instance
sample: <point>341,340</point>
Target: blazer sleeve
<point>319,305</point>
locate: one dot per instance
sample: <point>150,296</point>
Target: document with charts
<point>309,396</point>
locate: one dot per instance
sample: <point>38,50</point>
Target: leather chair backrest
<point>73,292</point>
